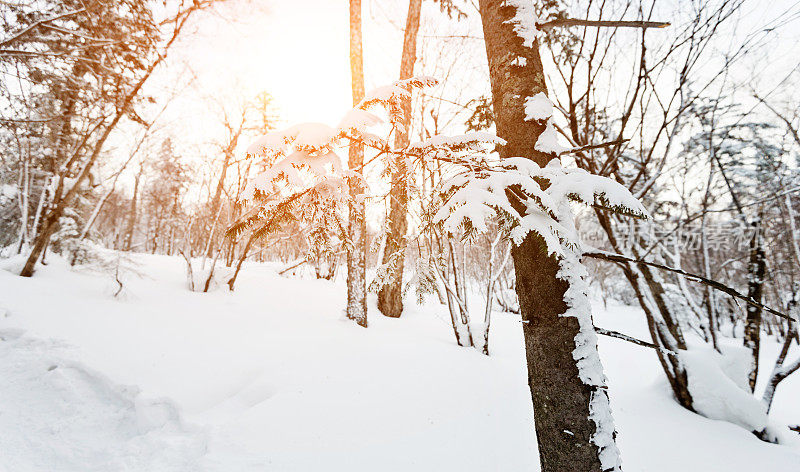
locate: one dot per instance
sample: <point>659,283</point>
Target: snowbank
<point>273,378</point>
<point>715,382</point>
<point>57,414</point>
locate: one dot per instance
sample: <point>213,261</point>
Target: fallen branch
<point>607,256</point>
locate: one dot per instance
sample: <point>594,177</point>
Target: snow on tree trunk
<point>390,296</point>
<point>574,427</point>
<point>357,225</point>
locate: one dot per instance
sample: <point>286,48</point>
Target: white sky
<point>298,51</point>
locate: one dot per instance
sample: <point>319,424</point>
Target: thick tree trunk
<point>357,227</point>
<point>564,404</point>
<point>390,296</point>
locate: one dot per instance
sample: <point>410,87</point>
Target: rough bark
<point>390,296</point>
<point>357,226</point>
<point>561,400</point>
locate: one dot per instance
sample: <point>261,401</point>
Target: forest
<point>473,235</point>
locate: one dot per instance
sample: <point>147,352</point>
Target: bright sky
<point>298,51</point>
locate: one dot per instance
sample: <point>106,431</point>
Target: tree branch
<point>607,256</point>
<point>566,22</point>
<point>631,339</point>
<point>595,146</point>
<point>40,22</point>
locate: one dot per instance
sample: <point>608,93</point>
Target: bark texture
<point>357,227</point>
<point>390,296</point>
<point>561,400</point>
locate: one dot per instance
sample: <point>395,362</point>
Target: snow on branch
<point>303,171</point>
<point>564,22</point>
<point>477,141</point>
<point>527,197</point>
<point>391,97</point>
<point>304,152</point>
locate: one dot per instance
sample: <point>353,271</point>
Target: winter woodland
<point>241,235</point>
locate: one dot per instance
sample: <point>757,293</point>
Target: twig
<point>116,278</point>
<point>40,22</point>
<point>631,339</point>
<point>595,146</point>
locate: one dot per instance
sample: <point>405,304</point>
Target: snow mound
<point>57,414</point>
<point>717,394</point>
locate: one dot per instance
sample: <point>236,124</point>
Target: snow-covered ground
<point>272,378</point>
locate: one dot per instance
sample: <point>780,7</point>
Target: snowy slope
<point>271,377</point>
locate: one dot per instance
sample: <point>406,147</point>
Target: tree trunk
<point>565,405</point>
<point>126,245</point>
<point>217,199</point>
<point>242,257</point>
<point>662,322</point>
<point>357,227</point>
<point>756,270</point>
<point>779,371</point>
<point>390,296</point>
